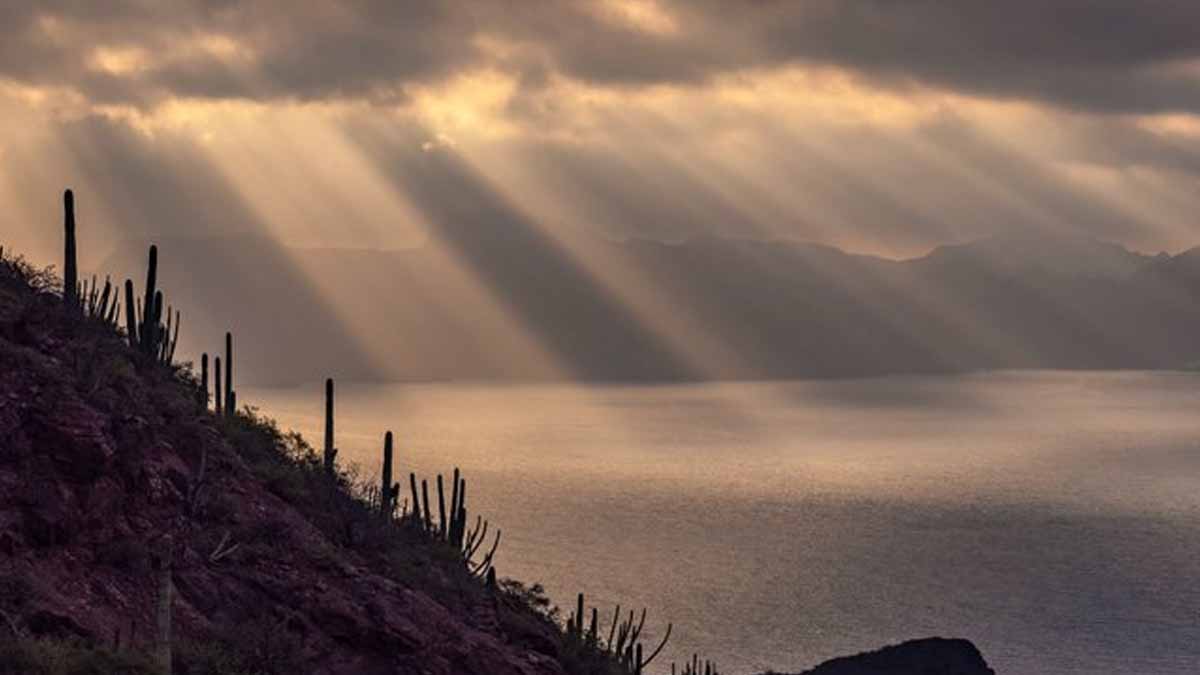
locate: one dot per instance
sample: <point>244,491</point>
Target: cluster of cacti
<point>80,296</point>
<point>223,394</point>
<point>102,305</point>
<point>696,667</point>
<point>450,526</point>
<point>144,317</point>
<point>623,644</point>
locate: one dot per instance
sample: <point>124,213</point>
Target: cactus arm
<point>174,338</point>
<point>658,649</point>
<point>613,629</point>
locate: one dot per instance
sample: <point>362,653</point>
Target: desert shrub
<point>530,596</point>
<point>17,272</point>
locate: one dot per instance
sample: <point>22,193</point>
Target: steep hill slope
<point>110,468</point>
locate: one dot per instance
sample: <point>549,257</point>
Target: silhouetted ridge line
<point>785,309</point>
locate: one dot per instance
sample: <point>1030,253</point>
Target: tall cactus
<point>70,267</point>
<point>154,324</point>
<point>441,508</point>
<point>458,527</point>
<point>579,618</point>
<point>172,340</point>
<point>414,513</point>
<point>131,322</point>
<point>204,380</point>
<point>425,502</point>
<point>389,491</point>
<point>451,532</point>
<point>229,409</point>
<point>217,391</point>
<point>330,451</point>
<point>149,328</point>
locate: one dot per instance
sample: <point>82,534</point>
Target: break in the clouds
<point>878,125</point>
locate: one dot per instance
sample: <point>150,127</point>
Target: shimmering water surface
<point>1053,518</point>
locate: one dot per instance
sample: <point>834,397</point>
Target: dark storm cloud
<point>1096,54</point>
<point>1102,55</point>
<point>301,50</point>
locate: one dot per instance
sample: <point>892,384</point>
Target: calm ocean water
<point>1051,517</point>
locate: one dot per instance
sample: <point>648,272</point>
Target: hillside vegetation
<point>142,531</point>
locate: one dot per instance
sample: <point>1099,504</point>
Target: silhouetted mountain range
<point>773,309</point>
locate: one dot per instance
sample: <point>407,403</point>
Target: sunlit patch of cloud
<point>642,15</point>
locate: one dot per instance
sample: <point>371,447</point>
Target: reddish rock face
<point>100,459</point>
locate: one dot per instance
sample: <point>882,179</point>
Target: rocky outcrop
<point>930,656</point>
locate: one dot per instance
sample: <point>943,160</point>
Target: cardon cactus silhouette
<point>389,492</point>
<point>217,391</point>
<point>623,647</point>
<point>204,380</point>
<point>453,532</point>
<point>441,508</point>
<point>154,325</point>
<point>148,330</point>
<point>230,409</point>
<point>70,265</point>
<point>143,318</point>
<point>414,514</point>
<point>696,667</point>
<point>131,322</point>
<point>330,451</point>
<point>100,305</point>
<point>425,502</point>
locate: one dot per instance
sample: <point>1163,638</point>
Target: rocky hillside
<point>112,471</point>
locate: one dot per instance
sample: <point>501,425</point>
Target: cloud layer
<point>1096,55</point>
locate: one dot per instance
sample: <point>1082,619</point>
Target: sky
<point>879,126</point>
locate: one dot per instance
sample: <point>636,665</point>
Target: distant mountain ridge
<point>733,309</point>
